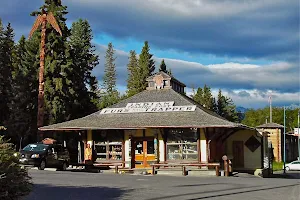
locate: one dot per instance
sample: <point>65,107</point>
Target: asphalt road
<point>68,185</point>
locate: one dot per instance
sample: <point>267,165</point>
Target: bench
<point>100,164</point>
<point>108,164</point>
<point>184,165</point>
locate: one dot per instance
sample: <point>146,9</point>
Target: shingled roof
<point>199,118</point>
<point>270,125</point>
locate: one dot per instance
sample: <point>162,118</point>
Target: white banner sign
<point>149,107</point>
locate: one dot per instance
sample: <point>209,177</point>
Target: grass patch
<point>277,166</point>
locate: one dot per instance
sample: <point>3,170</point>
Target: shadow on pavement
<point>49,192</point>
<point>227,191</point>
<point>288,175</point>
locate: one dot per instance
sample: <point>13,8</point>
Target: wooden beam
<point>229,134</point>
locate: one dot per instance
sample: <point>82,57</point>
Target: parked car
<point>295,165</point>
<point>43,155</point>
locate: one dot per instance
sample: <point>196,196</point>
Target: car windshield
<point>35,147</point>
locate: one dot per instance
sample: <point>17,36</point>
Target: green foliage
<point>258,117</point>
<point>23,113</point>
<point>163,66</point>
<point>133,74</point>
<point>146,66</point>
<point>169,71</point>
<point>109,79</point>
<point>14,181</point>
<point>277,166</point>
<point>6,65</point>
<point>84,61</point>
<point>58,67</point>
<point>204,97</point>
<point>224,106</point>
<point>110,95</point>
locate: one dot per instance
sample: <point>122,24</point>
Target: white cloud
<point>248,85</point>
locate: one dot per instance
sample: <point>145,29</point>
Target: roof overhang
<point>130,128</point>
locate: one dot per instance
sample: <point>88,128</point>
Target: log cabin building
<point>162,124</point>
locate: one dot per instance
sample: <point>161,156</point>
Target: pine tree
<point>109,79</point>
<point>133,74</point>
<point>163,66</point>
<point>58,67</point>
<point>84,61</point>
<point>226,108</point>
<point>19,116</point>
<point>3,99</point>
<point>198,97</point>
<point>207,98</point>
<point>230,111</point>
<point>111,94</point>
<point>221,103</point>
<point>215,105</point>
<point>146,66</point>
<point>169,71</point>
<point>6,66</point>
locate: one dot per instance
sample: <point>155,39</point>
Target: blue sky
<point>249,49</point>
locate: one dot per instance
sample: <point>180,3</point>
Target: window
<point>109,145</point>
<point>151,84</point>
<point>166,83</point>
<point>182,144</point>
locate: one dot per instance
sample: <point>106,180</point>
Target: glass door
<point>143,152</point>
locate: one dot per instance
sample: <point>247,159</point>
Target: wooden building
<point>162,124</point>
<point>275,134</point>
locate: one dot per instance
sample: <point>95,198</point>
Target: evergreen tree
<point>84,61</point>
<point>109,79</point>
<point>198,97</point>
<point>29,68</point>
<point>215,105</point>
<point>58,67</point>
<point>15,182</point>
<point>19,116</point>
<point>6,65</point>
<point>207,98</point>
<point>163,67</point>
<point>226,108</point>
<point>111,94</point>
<point>230,111</point>
<point>221,103</point>
<point>146,66</point>
<point>133,74</point>
<point>169,71</point>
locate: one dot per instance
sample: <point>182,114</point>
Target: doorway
<point>238,154</point>
<point>143,152</point>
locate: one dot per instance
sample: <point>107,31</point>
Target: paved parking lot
<point>56,185</point>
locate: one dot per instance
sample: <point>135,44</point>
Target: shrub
<point>14,181</point>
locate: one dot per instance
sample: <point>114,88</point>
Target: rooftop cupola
<point>162,80</point>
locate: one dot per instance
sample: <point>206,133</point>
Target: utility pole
<point>270,101</point>
<point>42,20</point>
<point>284,171</point>
<point>298,129</point>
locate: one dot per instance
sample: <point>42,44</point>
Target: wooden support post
<point>226,165</point>
<point>217,171</point>
<point>116,169</point>
<point>184,171</point>
<point>153,170</point>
